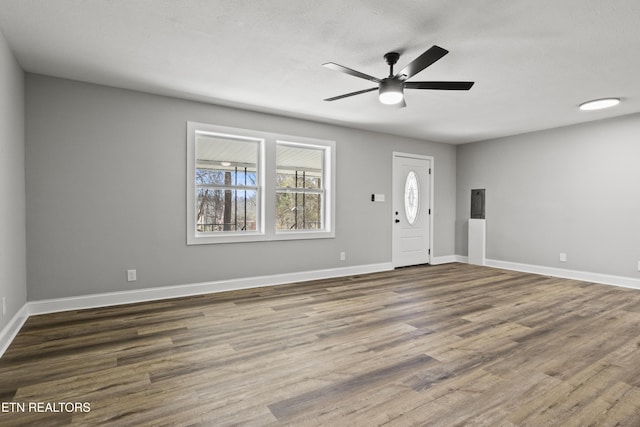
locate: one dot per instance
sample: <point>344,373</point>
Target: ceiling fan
<point>391,89</point>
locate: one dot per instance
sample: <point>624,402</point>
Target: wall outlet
<point>563,257</point>
<point>4,306</point>
<point>132,276</point>
<point>343,256</point>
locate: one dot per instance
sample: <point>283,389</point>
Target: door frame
<point>393,198</point>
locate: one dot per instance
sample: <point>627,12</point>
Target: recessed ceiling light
<point>599,104</point>
<point>225,163</point>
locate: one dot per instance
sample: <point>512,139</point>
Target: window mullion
<point>229,187</point>
<point>300,190</point>
<point>270,187</point>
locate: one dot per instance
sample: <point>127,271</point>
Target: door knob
<point>397,221</point>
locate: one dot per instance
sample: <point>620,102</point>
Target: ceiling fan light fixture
<point>599,104</point>
<point>391,91</point>
<point>391,97</point>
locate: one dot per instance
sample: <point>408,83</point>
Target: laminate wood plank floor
<point>447,345</point>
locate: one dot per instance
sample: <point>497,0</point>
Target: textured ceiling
<point>533,61</point>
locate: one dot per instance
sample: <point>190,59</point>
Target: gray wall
<point>13,282</point>
<point>106,179</point>
<point>574,190</point>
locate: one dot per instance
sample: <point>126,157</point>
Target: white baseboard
<point>437,260</point>
<point>585,276</point>
<point>9,332</point>
<point>150,294</point>
<point>177,291</point>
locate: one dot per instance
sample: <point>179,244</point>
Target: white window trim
<point>266,221</point>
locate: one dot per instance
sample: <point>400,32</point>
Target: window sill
<point>258,237</point>
<point>300,235</point>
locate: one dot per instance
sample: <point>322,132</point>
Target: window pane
<point>298,211</point>
<point>216,155</point>
<point>225,210</point>
<point>224,163</point>
<point>299,167</point>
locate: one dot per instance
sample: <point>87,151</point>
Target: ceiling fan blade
<point>430,56</point>
<point>439,85</point>
<point>337,67</point>
<point>351,94</point>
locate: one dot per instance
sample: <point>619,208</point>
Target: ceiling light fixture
<point>599,104</point>
<point>225,164</point>
<point>391,91</point>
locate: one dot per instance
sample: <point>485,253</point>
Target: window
<point>245,185</point>
<point>299,187</point>
<point>411,197</point>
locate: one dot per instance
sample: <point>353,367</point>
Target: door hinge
<point>429,171</point>
<point>429,251</point>
<point>429,211</point>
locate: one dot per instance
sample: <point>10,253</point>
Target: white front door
<point>411,210</point>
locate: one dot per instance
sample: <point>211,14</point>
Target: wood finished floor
<point>428,346</point>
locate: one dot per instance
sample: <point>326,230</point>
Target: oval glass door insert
<point>411,197</point>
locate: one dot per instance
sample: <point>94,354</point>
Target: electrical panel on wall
<point>477,203</point>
